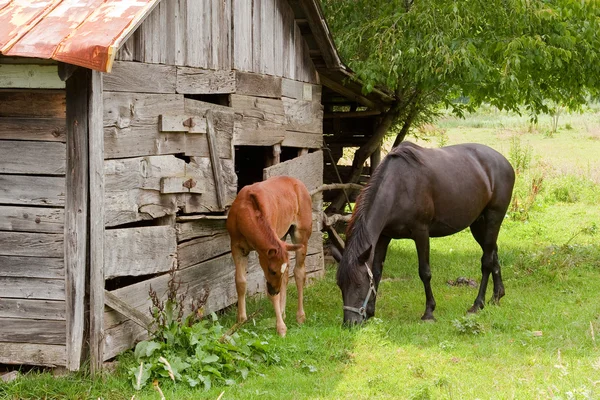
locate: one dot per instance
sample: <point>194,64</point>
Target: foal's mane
<point>357,236</point>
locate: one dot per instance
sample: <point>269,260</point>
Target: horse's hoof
<point>474,309</point>
<point>300,318</point>
<point>427,318</point>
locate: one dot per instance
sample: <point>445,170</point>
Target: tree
<point>513,54</point>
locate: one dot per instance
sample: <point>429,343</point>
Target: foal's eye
<point>273,273</point>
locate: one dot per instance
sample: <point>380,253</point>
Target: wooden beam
<point>114,302</point>
<point>32,354</point>
<point>76,212</point>
<point>352,114</point>
<point>214,158</point>
<point>339,88</point>
<point>96,165</point>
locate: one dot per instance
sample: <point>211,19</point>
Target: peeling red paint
<point>87,33</point>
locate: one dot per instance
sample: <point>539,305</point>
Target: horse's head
<point>274,263</point>
<point>355,279</point>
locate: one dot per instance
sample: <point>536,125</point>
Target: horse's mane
<point>357,236</point>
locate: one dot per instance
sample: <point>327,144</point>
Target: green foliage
<point>437,53</point>
<point>519,155</point>
<point>468,325</point>
<point>194,350</point>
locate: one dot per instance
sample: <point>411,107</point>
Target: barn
<point>126,129</point>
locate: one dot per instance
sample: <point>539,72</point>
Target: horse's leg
<point>241,263</point>
<point>421,239</point>
<point>379,257</point>
<point>485,231</point>
<point>300,236</point>
<point>276,301</point>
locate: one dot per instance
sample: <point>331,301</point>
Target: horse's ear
<point>293,247</point>
<point>365,256</point>
<point>272,252</point>
<point>335,252</point>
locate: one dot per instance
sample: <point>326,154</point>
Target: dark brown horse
<point>417,193</point>
<point>260,217</point>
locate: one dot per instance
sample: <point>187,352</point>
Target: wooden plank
<point>194,37</point>
<point>303,140</point>
<point>33,354</point>
<point>140,77</point>
<point>201,168</point>
<point>32,190</point>
<point>96,215</point>
<point>287,37</point>
<point>180,184</point>
<point>32,309</point>
<point>32,267</point>
<point>31,76</point>
<point>33,103</point>
<point>214,159</point>
<point>122,337</point>
<point>257,84</point>
<point>31,219</point>
<point>76,212</point>
<point>201,249</point>
<point>139,251</point>
<point>225,42</point>
<point>199,228</point>
<point>242,35</point>
<point>257,132</point>
<point>175,32</point>
<point>205,81</point>
<point>256,37</point>
<point>24,157</point>
<point>278,33</point>
<point>45,129</point>
<point>31,244</point>
<point>182,123</point>
<point>303,116</point>
<point>126,310</point>
<point>271,110</point>
<point>300,90</point>
<point>32,331</point>
<point>32,288</point>
<point>267,56</point>
<point>308,168</point>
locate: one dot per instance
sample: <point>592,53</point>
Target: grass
<point>542,342</point>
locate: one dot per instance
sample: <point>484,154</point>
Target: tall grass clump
<point>528,183</point>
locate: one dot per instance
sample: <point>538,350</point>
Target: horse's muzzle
<point>271,290</point>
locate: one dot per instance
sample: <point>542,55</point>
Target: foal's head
<point>274,263</point>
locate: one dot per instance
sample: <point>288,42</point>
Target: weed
<point>519,155</point>
<point>468,325</point>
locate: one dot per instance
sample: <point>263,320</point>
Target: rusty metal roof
<point>87,33</point>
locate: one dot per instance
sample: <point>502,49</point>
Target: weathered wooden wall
<point>32,215</point>
<point>254,36</point>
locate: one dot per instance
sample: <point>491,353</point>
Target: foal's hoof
<point>300,318</point>
<point>282,330</point>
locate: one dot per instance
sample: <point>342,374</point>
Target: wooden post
<point>76,212</point>
<point>302,152</point>
<point>276,154</point>
<point>96,160</point>
<point>214,158</point>
<point>375,159</point>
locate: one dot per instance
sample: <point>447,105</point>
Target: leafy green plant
<point>468,325</point>
<point>193,349</point>
<point>519,155</point>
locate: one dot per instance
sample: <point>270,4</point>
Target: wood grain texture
<point>141,77</point>
<point>32,309</point>
<point>31,244</point>
<point>126,310</point>
<point>303,140</point>
<point>33,354</point>
<point>76,212</point>
<point>33,103</point>
<point>32,331</point>
<point>242,35</point>
<point>32,190</point>
<point>32,288</point>
<point>201,249</point>
<point>96,219</point>
<point>121,337</point>
<point>214,159</point>
<point>204,81</point>
<point>308,168</point>
<point>32,76</point>
<point>43,129</point>
<point>303,116</point>
<point>139,251</point>
<point>25,157</point>
<point>31,219</point>
<point>32,267</point>
<point>258,85</point>
<point>199,228</point>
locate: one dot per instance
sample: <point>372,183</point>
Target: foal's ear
<point>365,256</point>
<point>272,252</point>
<point>293,247</point>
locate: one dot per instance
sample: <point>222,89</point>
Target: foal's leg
<point>283,290</point>
<point>485,231</point>
<point>300,236</point>
<point>276,301</point>
<point>421,239</point>
<point>240,258</point>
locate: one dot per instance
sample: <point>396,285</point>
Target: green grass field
<point>542,342</point>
